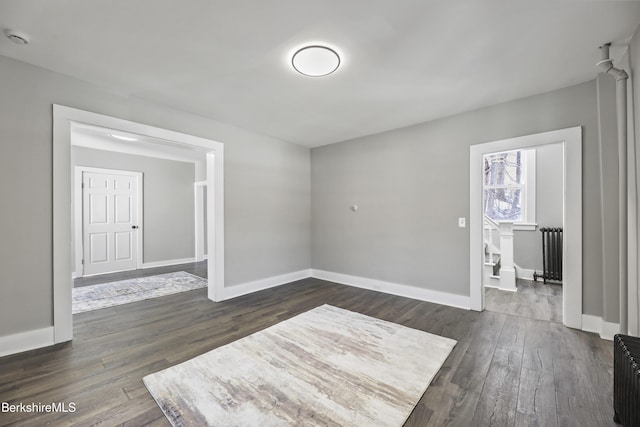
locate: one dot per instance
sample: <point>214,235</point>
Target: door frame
<point>199,188</point>
<point>64,119</point>
<point>78,214</point>
<point>571,140</point>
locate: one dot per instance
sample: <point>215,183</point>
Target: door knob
<point>135,227</point>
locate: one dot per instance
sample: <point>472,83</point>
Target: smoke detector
<point>17,37</point>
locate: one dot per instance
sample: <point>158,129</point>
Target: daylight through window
<point>505,186</point>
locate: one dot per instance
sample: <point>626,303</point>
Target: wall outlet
<point>462,222</point>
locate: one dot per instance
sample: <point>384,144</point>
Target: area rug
<point>327,366</point>
<point>94,297</point>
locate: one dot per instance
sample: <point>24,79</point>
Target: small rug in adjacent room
<point>103,295</point>
<point>327,366</point>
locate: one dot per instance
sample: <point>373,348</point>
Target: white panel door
<point>109,222</point>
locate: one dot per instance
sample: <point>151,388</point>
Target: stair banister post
<point>507,269</point>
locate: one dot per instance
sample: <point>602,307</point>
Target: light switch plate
<point>462,222</point>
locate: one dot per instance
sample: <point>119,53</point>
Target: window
<point>509,187</point>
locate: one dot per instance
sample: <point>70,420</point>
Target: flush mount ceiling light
<point>17,37</point>
<point>315,61</point>
<point>123,138</point>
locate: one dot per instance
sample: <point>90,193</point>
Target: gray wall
<point>411,184</point>
<point>255,184</point>
<point>270,209</point>
<point>168,205</point>
<point>527,245</point>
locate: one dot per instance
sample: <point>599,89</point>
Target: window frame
<point>527,190</point>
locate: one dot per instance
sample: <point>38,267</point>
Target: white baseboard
<point>606,330</point>
<point>24,341</point>
<point>146,265</point>
<point>262,284</point>
<point>168,262</point>
<point>421,294</point>
<point>525,273</point>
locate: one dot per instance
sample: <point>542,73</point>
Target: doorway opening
<point>522,196</point>
<point>69,120</point>
<point>118,260</point>
<point>571,142</point>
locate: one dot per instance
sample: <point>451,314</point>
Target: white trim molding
<point>25,341</point>
<point>596,324</point>
<point>525,226</point>
<point>437,297</point>
<point>524,273</point>
<point>64,121</point>
<point>199,189</point>
<point>168,262</point>
<point>262,284</point>
<point>571,140</point>
<point>215,221</point>
<point>452,300</point>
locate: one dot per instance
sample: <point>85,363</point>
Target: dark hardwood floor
<point>504,371</point>
<point>534,300</point>
<point>196,268</point>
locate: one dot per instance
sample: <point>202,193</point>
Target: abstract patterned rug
<point>327,366</point>
<point>94,297</point>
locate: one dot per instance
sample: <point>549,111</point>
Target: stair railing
<point>505,231</point>
<point>489,227</point>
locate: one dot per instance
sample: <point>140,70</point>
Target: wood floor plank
<point>498,400</point>
<point>536,399</point>
<point>471,372</point>
<point>513,334</point>
<point>449,404</point>
<point>539,347</point>
<point>573,411</point>
<point>533,300</point>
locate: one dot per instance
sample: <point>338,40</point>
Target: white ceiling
<point>90,136</point>
<point>404,61</point>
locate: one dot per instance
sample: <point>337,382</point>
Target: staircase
<point>499,268</point>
